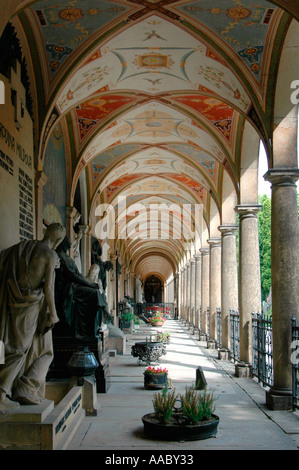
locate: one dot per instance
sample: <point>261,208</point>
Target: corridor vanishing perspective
<point>245,423</point>
<point>139,127</point>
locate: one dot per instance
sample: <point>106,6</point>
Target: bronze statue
<point>79,302</point>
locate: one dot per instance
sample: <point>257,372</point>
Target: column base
<point>211,344</point>
<point>279,399</point>
<point>202,337</point>
<point>243,370</point>
<point>223,354</point>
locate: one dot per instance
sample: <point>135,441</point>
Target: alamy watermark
<point>295,94</point>
<point>2,92</point>
<point>2,355</point>
<point>149,222</point>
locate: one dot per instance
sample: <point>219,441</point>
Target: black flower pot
<point>155,381</point>
<point>154,429</point>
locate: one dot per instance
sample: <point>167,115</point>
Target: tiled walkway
<point>245,422</point>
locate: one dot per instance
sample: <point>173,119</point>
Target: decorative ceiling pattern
<point>154,95</point>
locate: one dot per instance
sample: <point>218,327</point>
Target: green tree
<point>264,227</point>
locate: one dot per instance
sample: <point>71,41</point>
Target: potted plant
<point>155,377</point>
<point>136,322</point>
<point>126,319</point>
<point>163,337</point>
<point>157,319</point>
<point>193,420</point>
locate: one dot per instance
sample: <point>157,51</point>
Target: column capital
<point>205,250</point>
<point>248,210</point>
<point>197,256</point>
<point>214,242</point>
<point>228,229</point>
<point>282,176</point>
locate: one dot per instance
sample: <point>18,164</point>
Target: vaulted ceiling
<point>153,95</point>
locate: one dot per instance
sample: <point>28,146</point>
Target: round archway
<point>153,290</point>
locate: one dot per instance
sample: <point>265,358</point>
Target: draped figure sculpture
<point>79,302</point>
<point>27,315</point>
<point>104,266</point>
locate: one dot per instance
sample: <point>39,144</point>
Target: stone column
<point>192,291</point>
<point>229,281</point>
<point>187,290</point>
<point>180,295</point>
<point>197,290</point>
<point>215,285</point>
<point>285,281</point>
<point>183,292</point>
<point>176,294</point>
<point>249,280</point>
<point>40,181</point>
<point>85,248</point>
<point>205,287</point>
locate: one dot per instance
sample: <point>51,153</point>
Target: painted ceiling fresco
<point>154,94</point>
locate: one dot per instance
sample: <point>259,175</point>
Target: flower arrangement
<point>163,337</point>
<point>158,317</point>
<point>155,370</point>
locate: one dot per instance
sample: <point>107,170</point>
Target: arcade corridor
<point>245,422</point>
<point>137,126</point>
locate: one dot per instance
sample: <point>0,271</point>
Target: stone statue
<point>79,302</point>
<point>104,266</point>
<point>93,276</point>
<point>27,315</point>
<point>96,253</point>
<point>77,235</point>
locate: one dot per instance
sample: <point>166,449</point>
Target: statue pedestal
<point>65,346</point>
<point>43,427</point>
<point>116,339</point>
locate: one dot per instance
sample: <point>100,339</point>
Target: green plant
<point>127,317</point>
<point>164,404</point>
<point>197,406</point>
<point>136,321</point>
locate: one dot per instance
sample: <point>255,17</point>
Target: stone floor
<point>245,422</point>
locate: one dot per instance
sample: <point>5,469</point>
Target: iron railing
<point>295,364</point>
<point>262,348</point>
<point>234,334</point>
<point>166,308</point>
<point>219,331</point>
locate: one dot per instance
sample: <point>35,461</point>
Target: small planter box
<point>155,381</point>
